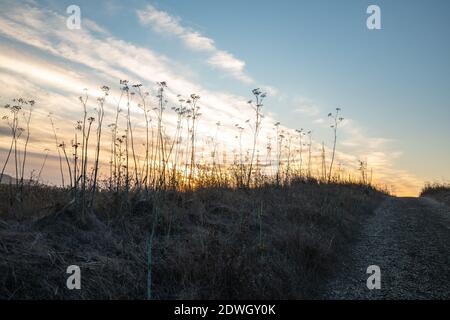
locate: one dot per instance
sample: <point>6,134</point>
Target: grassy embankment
<point>437,191</point>
<point>270,242</point>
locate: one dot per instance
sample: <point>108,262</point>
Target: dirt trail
<point>409,239</point>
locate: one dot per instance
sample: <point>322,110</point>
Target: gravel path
<point>409,239</point>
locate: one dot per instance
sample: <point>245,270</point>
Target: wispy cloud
<point>306,107</point>
<point>162,22</point>
<point>225,61</point>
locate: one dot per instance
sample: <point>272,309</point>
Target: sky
<point>392,84</point>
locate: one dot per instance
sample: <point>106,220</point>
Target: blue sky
<point>393,84</point>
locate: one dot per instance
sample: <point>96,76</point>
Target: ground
<point>409,239</point>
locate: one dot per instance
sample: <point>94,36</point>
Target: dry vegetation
<point>270,242</point>
<point>437,191</point>
<point>157,222</point>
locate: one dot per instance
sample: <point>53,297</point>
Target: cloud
<point>93,26</point>
<point>225,61</point>
<point>306,107</point>
<point>270,90</point>
<point>319,121</point>
<point>196,41</point>
<point>162,22</point>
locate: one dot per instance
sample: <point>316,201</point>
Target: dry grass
<point>276,242</point>
<point>437,191</point>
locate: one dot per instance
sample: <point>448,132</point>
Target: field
<point>269,242</point>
